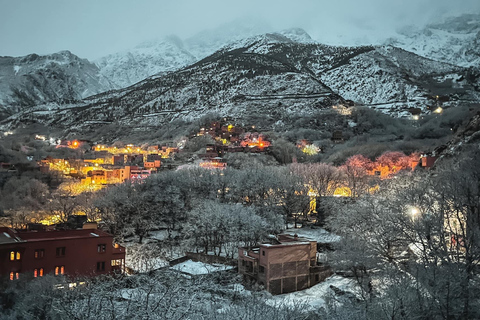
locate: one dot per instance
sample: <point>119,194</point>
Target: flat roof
<point>32,236</point>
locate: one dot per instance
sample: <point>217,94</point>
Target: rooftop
<point>8,235</point>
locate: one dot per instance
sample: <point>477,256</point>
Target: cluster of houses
<point>229,139</point>
<point>284,264</point>
<point>110,165</point>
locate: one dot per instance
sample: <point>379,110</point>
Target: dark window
<point>60,251</point>
<point>39,253</point>
<point>263,252</point>
<point>101,266</point>
<point>261,269</point>
<point>243,263</point>
<point>317,277</point>
<point>101,248</point>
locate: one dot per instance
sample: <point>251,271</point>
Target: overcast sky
<point>94,28</point>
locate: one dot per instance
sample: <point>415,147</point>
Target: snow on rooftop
<point>197,267</point>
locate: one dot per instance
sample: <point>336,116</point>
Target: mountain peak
<point>297,35</point>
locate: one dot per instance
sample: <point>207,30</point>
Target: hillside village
<point>260,175</point>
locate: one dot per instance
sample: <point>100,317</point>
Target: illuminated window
<point>101,248</point>
<point>117,262</point>
<point>38,272</point>
<point>60,251</point>
<point>14,275</point>
<point>15,255</point>
<point>59,270</point>
<point>39,253</point>
<point>101,266</point>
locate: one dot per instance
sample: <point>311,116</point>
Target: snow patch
<point>197,267</point>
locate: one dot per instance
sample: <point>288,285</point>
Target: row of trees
<point>161,295</point>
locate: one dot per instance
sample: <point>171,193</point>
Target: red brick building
<point>287,264</point>
<point>81,252</point>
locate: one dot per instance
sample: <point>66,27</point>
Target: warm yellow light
<point>342,192</point>
<point>414,211</point>
<point>438,110</point>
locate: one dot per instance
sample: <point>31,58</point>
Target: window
<point>38,272</point>
<point>15,255</point>
<point>263,252</point>
<point>60,252</point>
<point>261,269</point>
<point>39,253</point>
<point>59,270</point>
<point>14,275</point>
<point>101,266</point>
<point>101,248</point>
<point>117,262</point>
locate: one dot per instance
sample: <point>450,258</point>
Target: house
<point>81,252</point>
<point>155,164</point>
<point>337,136</point>
<point>287,264</point>
<point>427,161</point>
<point>133,173</point>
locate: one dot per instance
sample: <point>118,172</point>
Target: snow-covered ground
<point>315,297</point>
<point>319,235</point>
<point>197,267</point>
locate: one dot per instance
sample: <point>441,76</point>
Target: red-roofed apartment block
<point>81,252</point>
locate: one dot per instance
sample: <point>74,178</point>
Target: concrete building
<point>81,252</point>
<point>285,265</point>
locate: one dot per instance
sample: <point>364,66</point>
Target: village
<point>99,167</point>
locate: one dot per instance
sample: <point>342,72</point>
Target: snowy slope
<point>395,80</point>
<point>34,79</point>
<point>238,84</point>
<point>207,42</point>
<point>149,58</point>
<point>455,40</point>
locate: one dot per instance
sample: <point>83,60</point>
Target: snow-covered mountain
<point>455,40</point>
<point>149,58</point>
<point>207,42</point>
<point>172,53</point>
<point>61,77</point>
<point>395,80</point>
<point>275,73</point>
<point>270,77</point>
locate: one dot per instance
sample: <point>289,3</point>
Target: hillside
<point>271,76</point>
<point>455,40</point>
<point>59,77</point>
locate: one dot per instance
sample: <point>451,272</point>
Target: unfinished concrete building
<point>286,264</point>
